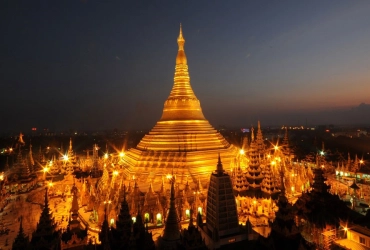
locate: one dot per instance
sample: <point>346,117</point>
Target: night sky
<point>110,64</point>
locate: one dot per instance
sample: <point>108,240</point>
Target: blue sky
<point>100,65</point>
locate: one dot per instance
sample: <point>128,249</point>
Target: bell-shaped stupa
<point>182,141</point>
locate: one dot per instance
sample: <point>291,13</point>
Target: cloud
<point>117,58</point>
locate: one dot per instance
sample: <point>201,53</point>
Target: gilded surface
<point>183,140</point>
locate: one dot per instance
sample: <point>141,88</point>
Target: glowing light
<point>322,166</point>
<point>273,162</point>
<point>187,213</point>
<point>122,154</point>
<point>361,161</point>
<point>106,156</point>
<point>293,189</point>
<point>276,147</point>
<point>50,184</point>
<point>133,219</point>
<point>345,228</point>
<point>1,177</point>
<point>322,152</point>
<point>169,176</point>
<point>115,172</point>
<point>10,149</point>
<point>241,151</point>
<point>45,169</point>
<point>268,156</point>
<point>65,157</point>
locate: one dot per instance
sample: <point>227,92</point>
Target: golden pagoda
<point>182,141</point>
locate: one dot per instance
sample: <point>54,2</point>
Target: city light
<point>241,151</point>
<point>115,172</point>
<point>65,157</point>
<point>122,154</point>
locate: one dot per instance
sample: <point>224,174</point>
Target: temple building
<point>75,237</point>
<point>171,237</point>
<point>46,235</point>
<point>222,224</point>
<point>182,140</point>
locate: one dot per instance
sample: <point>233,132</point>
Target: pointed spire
<point>31,157</point>
<point>181,57</point>
<point>171,230</point>
<point>180,39</point>
<point>21,240</point>
<point>191,221</point>
<point>182,104</point>
<point>70,143</point>
<point>252,134</point>
<point>21,139</point>
<point>150,188</point>
<point>46,200</point>
<point>105,233</point>
<point>124,192</point>
<point>220,169</point>
<point>20,225</point>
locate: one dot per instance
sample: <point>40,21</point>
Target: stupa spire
<point>182,104</point>
<point>182,138</point>
<point>180,39</point>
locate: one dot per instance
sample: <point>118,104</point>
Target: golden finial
<point>180,39</point>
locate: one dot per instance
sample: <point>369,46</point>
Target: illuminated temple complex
<point>142,198</point>
<point>182,141</point>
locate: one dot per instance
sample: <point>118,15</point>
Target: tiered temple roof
<point>46,235</point>
<point>21,241</point>
<point>254,175</point>
<point>268,185</point>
